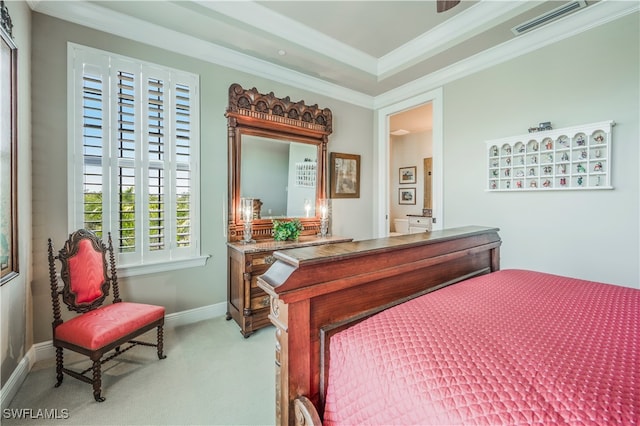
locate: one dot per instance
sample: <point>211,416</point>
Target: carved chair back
<point>86,273</point>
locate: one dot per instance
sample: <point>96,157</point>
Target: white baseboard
<point>195,315</point>
<point>18,376</point>
<point>45,350</point>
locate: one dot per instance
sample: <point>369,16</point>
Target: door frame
<point>382,157</point>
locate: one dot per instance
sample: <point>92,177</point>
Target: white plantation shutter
<point>183,120</point>
<point>154,106</point>
<point>93,128</point>
<point>134,159</point>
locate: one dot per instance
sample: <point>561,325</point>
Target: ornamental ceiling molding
<point>594,16</point>
<point>102,19</point>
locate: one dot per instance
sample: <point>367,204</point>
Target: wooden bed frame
<point>316,291</point>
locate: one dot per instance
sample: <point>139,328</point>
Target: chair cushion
<point>99,327</point>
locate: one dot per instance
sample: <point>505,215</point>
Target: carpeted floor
<point>211,376</point>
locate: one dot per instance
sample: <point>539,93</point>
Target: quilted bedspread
<point>511,347</point>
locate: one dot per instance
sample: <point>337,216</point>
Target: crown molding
<point>106,20</point>
<point>102,19</point>
<point>262,18</point>
<point>464,25</point>
<point>591,17</point>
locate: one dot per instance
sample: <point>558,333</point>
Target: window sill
<point>171,265</point>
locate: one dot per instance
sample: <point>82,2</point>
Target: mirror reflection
<point>281,174</point>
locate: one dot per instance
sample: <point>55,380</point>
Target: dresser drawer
<point>259,301</point>
<point>247,303</point>
<point>265,259</point>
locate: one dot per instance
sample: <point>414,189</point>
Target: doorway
<point>382,213</point>
<point>410,147</point>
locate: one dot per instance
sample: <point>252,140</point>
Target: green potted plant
<point>286,230</point>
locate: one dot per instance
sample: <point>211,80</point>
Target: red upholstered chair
<point>98,328</point>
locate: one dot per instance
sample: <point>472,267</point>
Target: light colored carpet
<point>211,376</point>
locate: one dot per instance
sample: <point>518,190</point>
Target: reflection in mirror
<point>281,174</point>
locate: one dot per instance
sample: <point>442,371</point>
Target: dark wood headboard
<point>314,288</point>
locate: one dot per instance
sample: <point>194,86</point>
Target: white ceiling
<point>367,46</point>
<point>358,51</point>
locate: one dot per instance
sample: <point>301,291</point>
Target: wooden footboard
<point>317,289</point>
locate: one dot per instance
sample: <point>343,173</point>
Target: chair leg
<point>59,366</point>
<point>97,381</point>
<point>160,343</point>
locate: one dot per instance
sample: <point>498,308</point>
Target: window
<point>133,157</point>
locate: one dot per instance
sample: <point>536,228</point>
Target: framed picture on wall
<point>406,196</point>
<point>8,151</point>
<point>345,175</point>
<point>408,174</point>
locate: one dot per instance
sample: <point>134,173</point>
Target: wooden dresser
<point>247,303</point>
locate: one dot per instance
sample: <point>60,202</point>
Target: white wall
<point>588,78</point>
<point>353,217</point>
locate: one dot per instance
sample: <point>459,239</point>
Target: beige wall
<point>15,297</point>
<point>188,288</point>
<point>588,78</point>
<point>408,151</point>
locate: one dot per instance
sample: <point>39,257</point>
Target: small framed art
<point>345,175</point>
<point>406,196</point>
<point>408,174</point>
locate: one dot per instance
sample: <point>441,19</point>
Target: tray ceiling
<point>365,47</point>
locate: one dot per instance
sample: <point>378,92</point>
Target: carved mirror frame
<point>253,113</point>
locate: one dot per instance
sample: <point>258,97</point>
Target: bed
<point>426,329</point>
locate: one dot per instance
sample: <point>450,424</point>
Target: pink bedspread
<point>512,347</point>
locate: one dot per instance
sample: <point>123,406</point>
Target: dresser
<point>247,303</point>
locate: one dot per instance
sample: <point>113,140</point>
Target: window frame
<point>108,64</point>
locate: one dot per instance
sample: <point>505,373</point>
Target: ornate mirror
<point>277,158</point>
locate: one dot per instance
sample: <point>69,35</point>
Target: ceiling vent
<point>552,15</point>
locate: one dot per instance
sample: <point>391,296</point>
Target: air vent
<point>549,16</point>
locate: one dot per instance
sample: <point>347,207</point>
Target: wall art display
<point>345,175</point>
<point>8,151</point>
<point>407,196</point>
<point>407,175</point>
<point>306,172</point>
<point>572,158</point>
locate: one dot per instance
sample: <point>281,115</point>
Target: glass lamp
<point>246,209</point>
<point>324,217</point>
